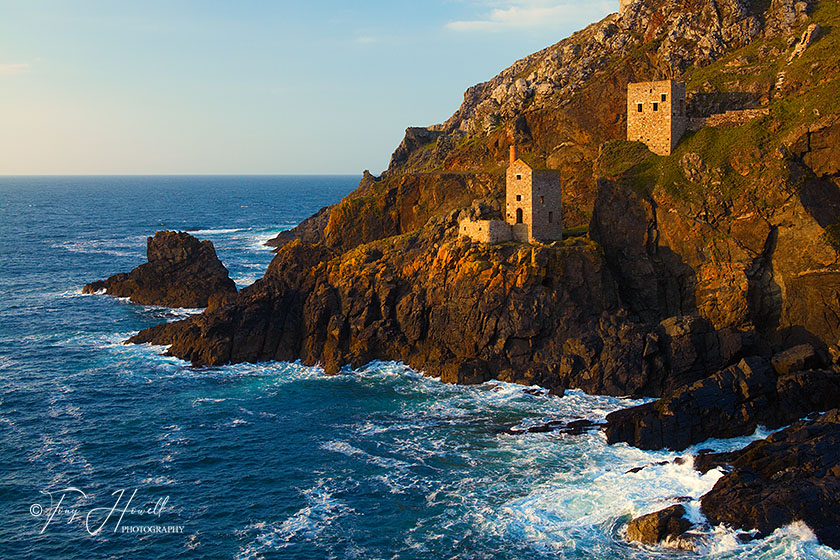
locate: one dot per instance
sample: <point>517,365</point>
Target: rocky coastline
<point>707,279</point>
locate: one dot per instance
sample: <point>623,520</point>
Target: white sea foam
<point>551,493</point>
<point>157,481</point>
<point>215,231</point>
<point>203,400</point>
<point>121,248</point>
<point>310,523</point>
<point>245,280</point>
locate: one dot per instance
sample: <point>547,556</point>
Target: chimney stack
<point>514,153</point>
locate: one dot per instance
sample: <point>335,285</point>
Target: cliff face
<point>744,245</point>
<point>719,251</point>
<point>467,312</point>
<point>560,104</point>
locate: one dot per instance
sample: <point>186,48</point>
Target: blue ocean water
<point>161,460</point>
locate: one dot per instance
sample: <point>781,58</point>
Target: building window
<point>639,107</point>
<point>550,217</point>
<point>518,177</point>
<point>542,200</point>
<point>655,107</point>
<point>518,198</point>
<point>519,215</point>
<point>664,97</point>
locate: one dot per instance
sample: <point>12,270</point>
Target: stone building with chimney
<point>656,114</point>
<point>533,207</point>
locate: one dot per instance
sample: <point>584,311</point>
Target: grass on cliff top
<point>767,58</point>
<point>813,82</point>
<point>633,164</point>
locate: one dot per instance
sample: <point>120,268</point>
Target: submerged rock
<point>665,526</point>
<point>575,427</point>
<point>182,272</point>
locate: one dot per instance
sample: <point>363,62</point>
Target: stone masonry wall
<point>485,231</point>
<point>547,206</point>
<point>729,118</point>
<point>656,114</point>
<point>518,197</point>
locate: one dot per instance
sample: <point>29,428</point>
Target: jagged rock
<point>181,272</point>
<point>808,37</point>
<point>798,358</point>
<point>784,15</point>
<point>731,403</point>
<point>533,315</point>
<point>793,475</point>
<point>817,147</point>
<point>666,526</point>
<point>415,137</point>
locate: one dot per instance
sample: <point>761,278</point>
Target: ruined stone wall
<point>656,114</point>
<point>727,119</point>
<point>519,197</point>
<point>547,206</point>
<point>485,231</point>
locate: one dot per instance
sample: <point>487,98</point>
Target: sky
<point>248,86</point>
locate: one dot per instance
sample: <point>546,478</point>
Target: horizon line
<point>178,174</point>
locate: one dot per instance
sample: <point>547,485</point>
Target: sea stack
<point>182,272</point>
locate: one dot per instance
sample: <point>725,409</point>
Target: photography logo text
<point>124,511</point>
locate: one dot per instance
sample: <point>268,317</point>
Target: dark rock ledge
<point>182,272</point>
<point>730,403</point>
<point>793,475</point>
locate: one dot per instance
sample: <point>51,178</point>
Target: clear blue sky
<point>239,86</point>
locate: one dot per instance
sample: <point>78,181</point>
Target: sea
<point>118,451</point>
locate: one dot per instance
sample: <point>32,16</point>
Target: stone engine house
<point>533,207</point>
<point>656,114</point>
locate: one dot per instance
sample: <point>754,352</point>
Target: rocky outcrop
<point>664,527</point>
<point>181,272</point>
<point>752,257</point>
<point>694,266</point>
<point>793,475</point>
<point>798,358</point>
<point>808,37</point>
<point>546,315</point>
<point>731,403</point>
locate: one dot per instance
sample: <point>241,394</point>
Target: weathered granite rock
<point>544,315</point>
<point>808,37</point>
<point>181,272</point>
<point>731,403</point>
<point>793,475</point>
<point>654,528</point>
<point>798,358</point>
